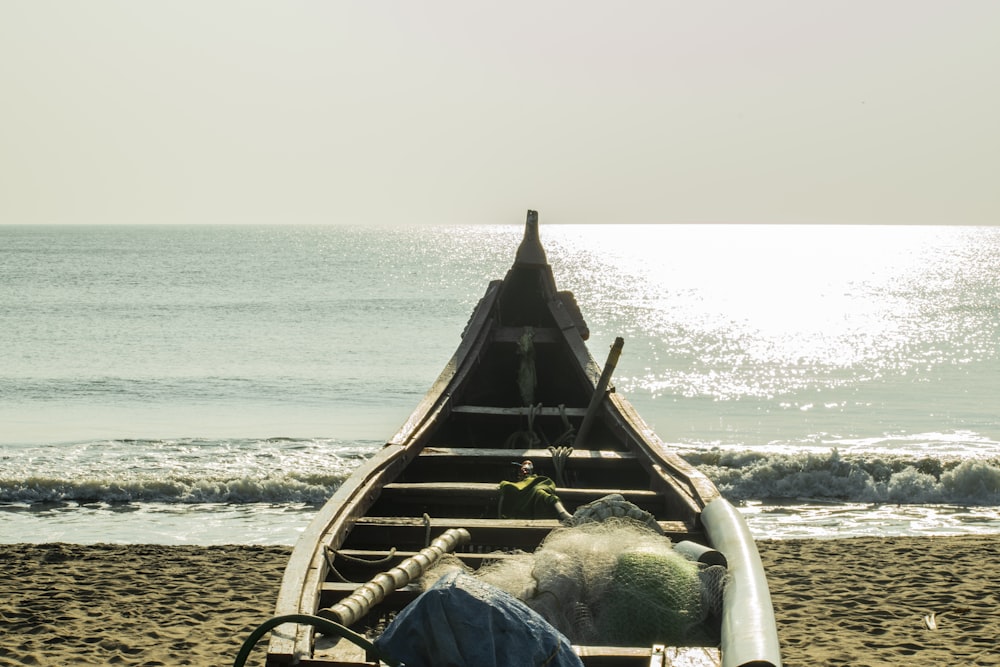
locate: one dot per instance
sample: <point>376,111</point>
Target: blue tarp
<point>462,621</point>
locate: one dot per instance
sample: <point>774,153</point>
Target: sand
<point>858,601</point>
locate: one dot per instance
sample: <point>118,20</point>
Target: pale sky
<point>236,111</point>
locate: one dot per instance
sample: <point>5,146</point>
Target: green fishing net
<point>612,583</point>
<point>651,598</point>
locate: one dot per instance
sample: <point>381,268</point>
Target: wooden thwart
<point>515,411</point>
<point>485,491</point>
<point>577,456</point>
<point>671,656</point>
<point>538,334</point>
<point>487,534</point>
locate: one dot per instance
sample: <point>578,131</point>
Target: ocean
<point>215,384</point>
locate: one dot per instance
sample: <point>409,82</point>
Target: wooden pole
<point>600,392</point>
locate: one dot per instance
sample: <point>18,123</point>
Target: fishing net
<point>614,582</point>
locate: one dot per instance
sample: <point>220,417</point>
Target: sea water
<point>215,384</point>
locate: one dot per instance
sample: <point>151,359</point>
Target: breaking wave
<point>181,471</point>
<point>867,478</point>
<point>291,488</point>
<point>289,471</point>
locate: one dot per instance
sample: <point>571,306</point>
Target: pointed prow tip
<point>530,252</point>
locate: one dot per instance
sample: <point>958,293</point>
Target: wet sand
<point>856,601</point>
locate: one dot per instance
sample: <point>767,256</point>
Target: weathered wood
<point>367,558</point>
<point>299,593</point>
<point>539,335</point>
<point>623,656</point>
<point>582,468</point>
<point>479,492</point>
<point>600,392</point>
<point>487,534</point>
<point>598,456</point>
<point>516,411</point>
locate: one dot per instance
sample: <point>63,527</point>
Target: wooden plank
<point>598,456</point>
<point>516,411</point>
<point>363,564</point>
<point>478,492</point>
<point>540,334</point>
<point>487,534</point>
<point>440,524</point>
<point>583,468</point>
<point>473,560</point>
<point>624,656</point>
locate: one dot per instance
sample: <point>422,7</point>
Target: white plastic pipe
<point>749,632</point>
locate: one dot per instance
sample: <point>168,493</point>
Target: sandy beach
<point>857,601</point>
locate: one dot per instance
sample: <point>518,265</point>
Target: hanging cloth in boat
<point>464,622</point>
<point>534,497</point>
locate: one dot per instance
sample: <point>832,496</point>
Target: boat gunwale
<point>307,566</point>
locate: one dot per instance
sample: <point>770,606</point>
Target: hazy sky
<point>462,112</point>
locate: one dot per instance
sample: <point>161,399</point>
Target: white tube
<point>749,632</point>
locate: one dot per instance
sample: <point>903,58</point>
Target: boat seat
<point>477,493</point>
<point>363,564</point>
<point>583,467</point>
<point>599,467</point>
<point>625,656</point>
<point>410,533</point>
<point>517,411</point>
<point>595,456</point>
<point>482,499</point>
<point>539,334</point>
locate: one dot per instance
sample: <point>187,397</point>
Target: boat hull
<point>522,386</point>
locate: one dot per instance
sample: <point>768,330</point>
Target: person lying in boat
<point>531,497</point>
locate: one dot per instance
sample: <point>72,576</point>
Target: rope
<point>527,379</point>
<point>569,433</point>
<point>329,554</point>
<point>560,456</point>
<point>533,411</point>
<point>366,561</point>
<point>529,436</point>
<point>327,627</point>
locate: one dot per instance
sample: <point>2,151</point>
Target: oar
<point>357,604</point>
<point>600,392</point>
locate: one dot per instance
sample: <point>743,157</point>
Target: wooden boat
<point>441,471</point>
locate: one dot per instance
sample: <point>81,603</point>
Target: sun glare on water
<point>720,301</point>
